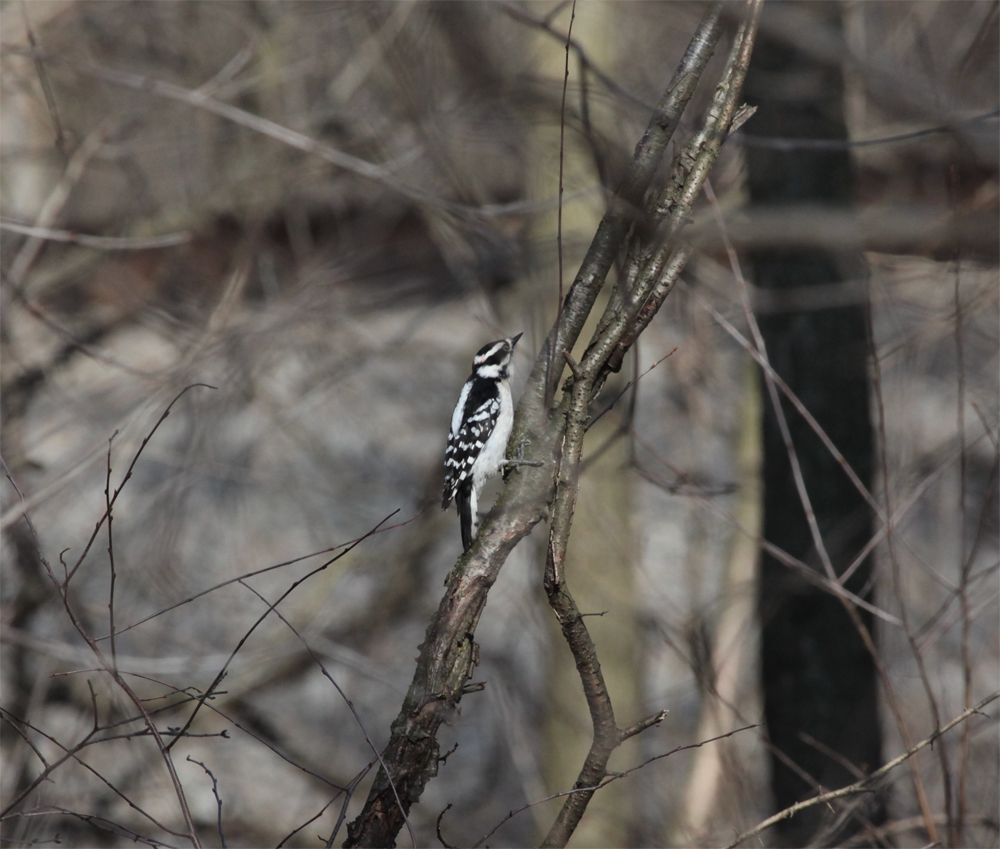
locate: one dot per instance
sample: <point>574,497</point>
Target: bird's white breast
<point>493,454</point>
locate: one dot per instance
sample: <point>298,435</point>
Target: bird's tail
<point>464,500</point>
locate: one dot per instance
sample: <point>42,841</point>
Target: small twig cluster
<point>118,729</point>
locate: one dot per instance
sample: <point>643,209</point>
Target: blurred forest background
<point>322,210</point>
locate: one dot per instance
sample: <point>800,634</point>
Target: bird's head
<point>493,360</point>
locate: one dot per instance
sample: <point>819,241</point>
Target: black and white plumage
<point>480,428</point>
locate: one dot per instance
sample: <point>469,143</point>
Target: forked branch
<point>554,437</point>
<point>627,316</point>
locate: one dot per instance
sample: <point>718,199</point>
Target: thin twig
<point>606,781</point>
<point>347,800</point>
<point>886,522</point>
<point>779,413</point>
<point>62,587</point>
<point>218,799</point>
<point>201,99</point>
<point>628,385</point>
<point>43,78</point>
<point>98,822</point>
<point>573,367</point>
<point>897,580</point>
<point>350,705</point>
<point>225,666</point>
<point>111,558</point>
<point>521,14</point>
<point>863,785</point>
<point>957,828</point>
<point>49,768</point>
<point>792,143</point>
<point>74,754</point>
<point>437,828</point>
<point>808,573</point>
<point>128,474</point>
<point>106,243</point>
<point>56,201</point>
<point>256,572</point>
<point>311,819</point>
<point>549,381</point>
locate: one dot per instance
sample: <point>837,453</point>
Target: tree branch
<point>627,203</point>
<point>865,783</point>
<point>604,355</point>
<point>554,436</point>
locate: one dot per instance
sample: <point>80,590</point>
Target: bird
<point>480,429</point>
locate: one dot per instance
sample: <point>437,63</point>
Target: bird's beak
<point>513,340</point>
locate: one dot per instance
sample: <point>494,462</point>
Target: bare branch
<point>611,777</point>
<point>107,243</point>
<point>863,785</point>
<point>448,654</point>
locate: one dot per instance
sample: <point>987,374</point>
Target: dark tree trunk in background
<point>818,678</point>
